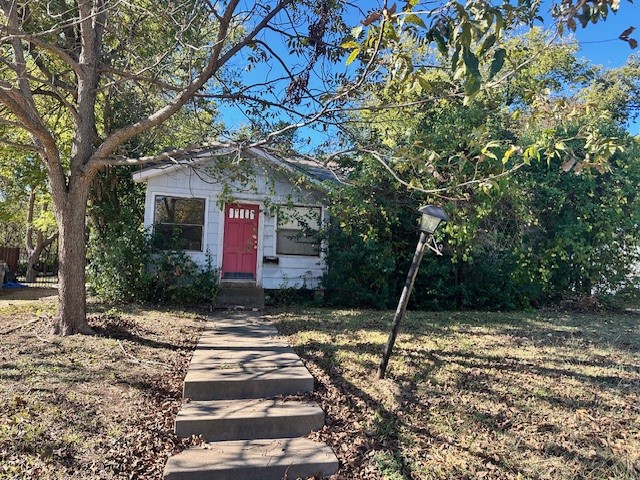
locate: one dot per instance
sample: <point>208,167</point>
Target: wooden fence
<point>11,255</point>
<point>47,267</point>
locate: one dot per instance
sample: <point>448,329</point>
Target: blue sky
<point>600,44</point>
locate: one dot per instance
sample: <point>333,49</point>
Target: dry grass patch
<point>90,407</point>
<point>477,395</point>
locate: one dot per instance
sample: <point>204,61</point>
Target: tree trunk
<point>32,252</point>
<point>32,259</point>
<point>72,307</point>
<point>34,255</point>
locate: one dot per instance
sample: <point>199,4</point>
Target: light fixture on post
<point>430,219</point>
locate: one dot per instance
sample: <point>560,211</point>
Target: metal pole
<point>402,304</point>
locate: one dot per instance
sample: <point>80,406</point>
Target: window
<point>298,231</point>
<point>178,222</point>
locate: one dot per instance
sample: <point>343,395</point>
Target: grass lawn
<point>471,395</point>
<point>468,395</point>
<point>81,407</point>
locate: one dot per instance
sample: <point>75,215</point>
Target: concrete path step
<point>232,295</point>
<point>238,367</point>
<point>241,331</point>
<point>253,357</point>
<point>253,460</point>
<point>248,419</point>
<point>216,382</point>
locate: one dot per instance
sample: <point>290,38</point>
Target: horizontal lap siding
<point>180,184</point>
<point>291,271</point>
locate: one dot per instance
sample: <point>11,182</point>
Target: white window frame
<point>277,231</point>
<point>185,197</point>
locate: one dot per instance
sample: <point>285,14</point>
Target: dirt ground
<point>92,407</point>
<point>10,296</point>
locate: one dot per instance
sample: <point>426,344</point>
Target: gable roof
<point>314,171</point>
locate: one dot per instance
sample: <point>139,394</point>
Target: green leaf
<point>489,41</point>
<point>465,35</point>
<point>350,44</point>
<point>424,83</point>
<point>352,56</point>
<point>499,57</point>
<point>471,88</point>
<point>471,63</point>
<point>455,58</point>
<point>459,73</point>
<point>415,20</point>
<point>390,32</point>
<point>499,22</point>
<point>442,46</point>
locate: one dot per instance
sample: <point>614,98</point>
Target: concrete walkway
<point>238,370</point>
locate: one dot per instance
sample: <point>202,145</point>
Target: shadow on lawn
<point>389,426</point>
<point>384,432</point>
<point>37,432</point>
<point>476,374</point>
<point>597,463</point>
<point>504,363</point>
<point>345,404</point>
<point>65,374</point>
<point>545,328</point>
<point>121,328</point>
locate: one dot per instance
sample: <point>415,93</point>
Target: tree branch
<point>24,146</point>
<point>216,60</point>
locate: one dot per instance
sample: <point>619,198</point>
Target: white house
<point>257,216</point>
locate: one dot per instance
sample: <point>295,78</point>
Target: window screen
<point>179,222</point>
<point>298,231</point>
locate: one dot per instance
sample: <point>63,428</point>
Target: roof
<point>315,171</point>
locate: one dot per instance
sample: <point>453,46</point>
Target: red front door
<point>240,247</point>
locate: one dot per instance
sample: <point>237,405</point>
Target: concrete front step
<point>237,334</point>
<point>255,357</point>
<point>240,364</point>
<point>211,382</point>
<point>232,295</point>
<point>239,302</point>
<point>253,460</point>
<point>248,419</point>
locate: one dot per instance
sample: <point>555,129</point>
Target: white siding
<point>271,187</point>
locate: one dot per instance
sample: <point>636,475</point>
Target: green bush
<point>124,267</point>
<point>360,271</point>
<point>117,268</point>
<point>540,237</point>
<point>175,279</point>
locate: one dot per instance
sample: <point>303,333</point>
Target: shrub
<point>124,267</point>
<point>175,279</point>
<point>117,268</point>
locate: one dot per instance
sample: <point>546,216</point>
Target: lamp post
<point>430,219</point>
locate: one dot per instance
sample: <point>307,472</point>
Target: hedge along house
<point>256,216</point>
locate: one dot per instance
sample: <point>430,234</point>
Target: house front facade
<point>254,216</point>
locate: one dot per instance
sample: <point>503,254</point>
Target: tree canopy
<point>70,66</point>
<point>563,222</point>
